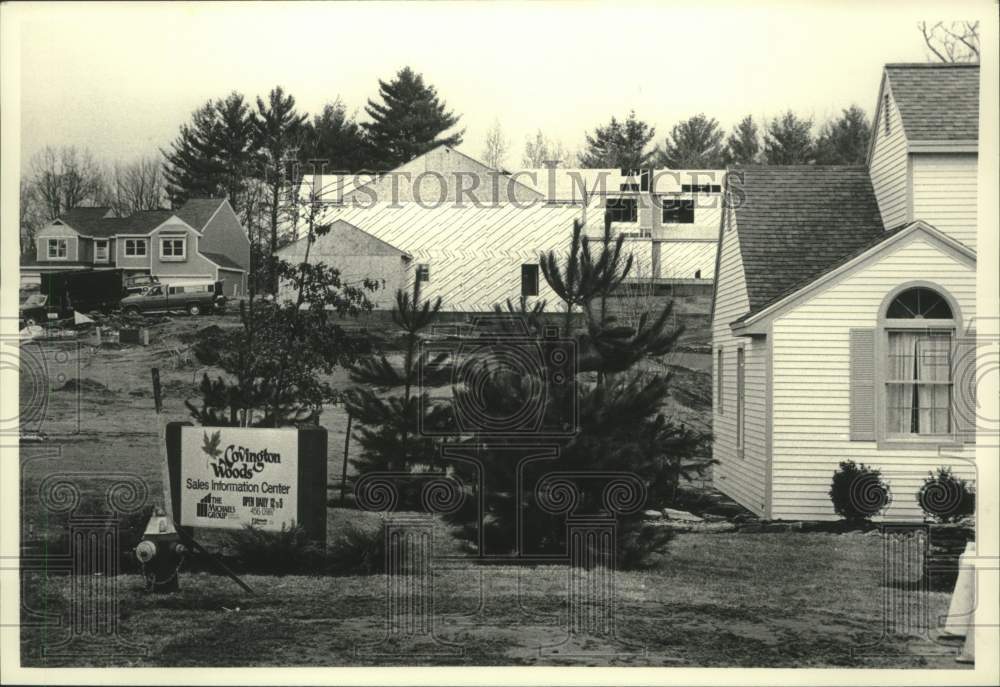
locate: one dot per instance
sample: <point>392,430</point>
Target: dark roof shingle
<point>87,221</point>
<point>197,211</point>
<point>794,222</point>
<point>937,102</point>
<point>223,261</point>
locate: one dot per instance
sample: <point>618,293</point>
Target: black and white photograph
<point>500,342</point>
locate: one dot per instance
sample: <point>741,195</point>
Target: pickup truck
<point>193,298</point>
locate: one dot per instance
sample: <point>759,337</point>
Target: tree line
<point>243,150</point>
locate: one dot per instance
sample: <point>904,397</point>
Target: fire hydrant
<point>160,554</point>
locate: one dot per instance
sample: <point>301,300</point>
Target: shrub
<point>945,497</point>
<point>276,553</point>
<point>858,491</point>
<point>357,550</point>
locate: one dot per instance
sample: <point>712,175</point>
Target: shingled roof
<point>197,211</point>
<point>87,221</point>
<point>795,222</point>
<point>937,102</point>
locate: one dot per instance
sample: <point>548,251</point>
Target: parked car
<point>193,298</point>
<point>60,294</point>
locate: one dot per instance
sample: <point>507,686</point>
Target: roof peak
<point>931,65</point>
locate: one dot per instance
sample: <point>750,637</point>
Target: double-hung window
<point>172,248</point>
<point>57,249</point>
<point>135,248</point>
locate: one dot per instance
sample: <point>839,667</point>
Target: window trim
<point>107,251</point>
<point>136,242</point>
<point>173,258</point>
<point>48,247</point>
<point>720,364</point>
<point>741,401</point>
<point>884,439</point>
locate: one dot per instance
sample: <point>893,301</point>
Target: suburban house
<point>472,234</point>
<point>201,240</point>
<point>844,311</point>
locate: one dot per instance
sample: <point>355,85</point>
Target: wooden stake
<point>347,444</point>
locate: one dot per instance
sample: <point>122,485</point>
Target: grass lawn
<point>776,599</point>
<point>769,600</point>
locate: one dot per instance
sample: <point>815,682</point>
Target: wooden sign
<point>235,477</point>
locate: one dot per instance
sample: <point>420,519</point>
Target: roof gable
<point>198,211</point>
<point>873,248</point>
<point>795,221</point>
<point>87,221</point>
<point>937,102</point>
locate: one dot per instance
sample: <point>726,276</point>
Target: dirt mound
<point>85,386</point>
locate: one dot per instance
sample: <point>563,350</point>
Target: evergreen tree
<point>337,140</point>
<point>694,144</point>
<point>409,121</point>
<point>213,155</point>
<point>620,145</point>
<point>619,427</point>
<point>192,168</point>
<point>278,129</point>
<point>743,145</point>
<point>233,145</point>
<point>392,401</point>
<point>844,141</point>
<point>789,141</point>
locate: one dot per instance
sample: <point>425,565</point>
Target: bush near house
<point>858,492</point>
<point>945,497</point>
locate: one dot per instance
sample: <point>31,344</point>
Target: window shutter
<point>862,344</point>
<point>964,387</point>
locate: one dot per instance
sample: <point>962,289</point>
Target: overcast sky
<point>120,79</point>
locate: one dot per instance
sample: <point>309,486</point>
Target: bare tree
<point>63,178</point>
<point>542,149</point>
<point>956,41</point>
<point>497,146</point>
<point>32,215</point>
<point>136,186</point>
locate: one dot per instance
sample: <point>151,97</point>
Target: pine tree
<point>789,141</point>
<point>621,145</point>
<point>409,121</point>
<point>619,426</point>
<point>337,140</point>
<point>743,145</point>
<point>392,401</point>
<point>277,134</point>
<point>192,167</point>
<point>233,144</point>
<point>844,141</point>
<point>696,143</point>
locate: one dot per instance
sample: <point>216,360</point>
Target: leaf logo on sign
<point>211,445</point>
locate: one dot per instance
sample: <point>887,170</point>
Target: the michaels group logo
<point>235,462</point>
<point>211,507</point>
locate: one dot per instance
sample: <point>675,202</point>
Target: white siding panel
<point>741,477</point>
<point>944,194</point>
<point>889,166</point>
<point>811,402</point>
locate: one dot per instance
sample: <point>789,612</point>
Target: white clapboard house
<point>844,312</point>
<point>472,234</point>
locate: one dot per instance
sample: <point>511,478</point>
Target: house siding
<point>743,478</point>
<point>225,235</point>
<point>888,166</point>
<point>132,263</point>
<point>811,411</point>
<point>358,256</point>
<point>944,193</point>
<point>194,265</point>
<point>59,231</point>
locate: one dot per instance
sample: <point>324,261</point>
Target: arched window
<point>919,326</point>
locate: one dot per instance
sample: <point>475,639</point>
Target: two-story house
<point>201,240</point>
<point>843,318</point>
